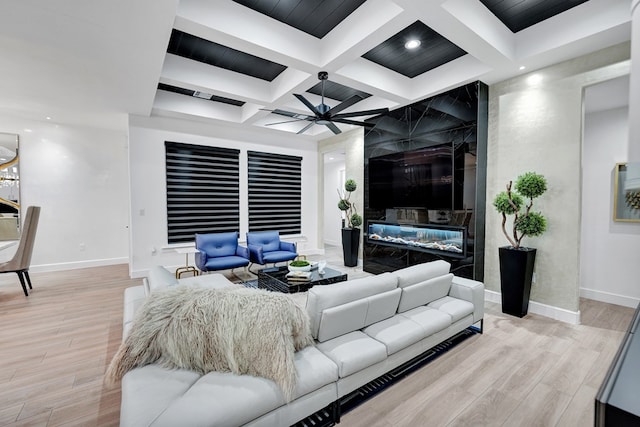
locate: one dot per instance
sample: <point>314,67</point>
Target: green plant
<point>299,263</point>
<point>525,222</point>
<point>354,220</point>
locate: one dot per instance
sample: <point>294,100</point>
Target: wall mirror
<point>626,200</point>
<point>9,187</point>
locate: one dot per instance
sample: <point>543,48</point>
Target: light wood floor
<point>55,346</point>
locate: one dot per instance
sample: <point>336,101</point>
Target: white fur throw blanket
<point>239,330</point>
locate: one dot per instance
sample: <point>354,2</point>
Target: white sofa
<point>363,329</point>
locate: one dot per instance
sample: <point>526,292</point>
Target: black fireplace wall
<point>417,142</point>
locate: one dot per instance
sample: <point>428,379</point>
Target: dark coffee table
<point>274,279</point>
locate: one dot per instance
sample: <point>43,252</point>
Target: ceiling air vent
<point>203,95</point>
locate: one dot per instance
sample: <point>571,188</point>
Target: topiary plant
<point>525,222</point>
<point>354,220</point>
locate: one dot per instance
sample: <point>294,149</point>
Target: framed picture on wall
<point>626,192</point>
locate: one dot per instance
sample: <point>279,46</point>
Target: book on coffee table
<point>299,276</point>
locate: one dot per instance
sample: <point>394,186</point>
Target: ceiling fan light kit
<point>325,115</point>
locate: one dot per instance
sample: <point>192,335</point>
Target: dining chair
<point>21,260</point>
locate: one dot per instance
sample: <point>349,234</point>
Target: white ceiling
<point>95,62</point>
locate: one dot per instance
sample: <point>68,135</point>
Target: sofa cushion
<point>396,333</point>
<point>355,315</point>
<point>419,273</point>
<point>321,298</point>
<point>454,307</point>
<point>382,306</point>
<point>148,391</point>
<point>424,292</point>
<point>315,370</point>
<point>430,319</point>
<point>353,352</point>
<point>209,281</point>
<point>160,278</point>
<point>218,398</point>
<point>342,319</point>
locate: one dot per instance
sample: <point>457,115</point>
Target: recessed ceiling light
<point>522,67</point>
<point>48,118</point>
<point>412,44</point>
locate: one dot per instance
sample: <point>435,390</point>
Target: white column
<point>634,91</point>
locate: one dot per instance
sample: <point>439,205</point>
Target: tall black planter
<point>350,245</point>
<point>516,272</point>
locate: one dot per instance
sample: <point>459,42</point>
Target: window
<point>275,188</point>
<point>203,191</point>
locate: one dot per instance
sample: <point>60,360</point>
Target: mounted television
<point>422,178</point>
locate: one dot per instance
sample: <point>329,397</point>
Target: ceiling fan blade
<point>304,129</point>
<point>286,121</point>
<point>353,122</point>
<point>306,102</point>
<point>292,114</point>
<point>333,128</point>
<point>345,104</point>
<point>362,113</point>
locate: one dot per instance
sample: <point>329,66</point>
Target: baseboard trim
<point>609,297</point>
<point>43,268</point>
<point>556,313</point>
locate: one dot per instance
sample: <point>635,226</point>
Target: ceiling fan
<point>325,115</point>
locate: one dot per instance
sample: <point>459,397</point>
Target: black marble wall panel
<point>457,121</point>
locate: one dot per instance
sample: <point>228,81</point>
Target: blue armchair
<point>266,246</point>
<point>220,251</point>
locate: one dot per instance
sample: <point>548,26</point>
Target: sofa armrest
<point>469,290</point>
<point>287,246</point>
<point>255,254</point>
<point>201,260</point>
<point>242,251</point>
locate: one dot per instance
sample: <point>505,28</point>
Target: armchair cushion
<point>224,263</point>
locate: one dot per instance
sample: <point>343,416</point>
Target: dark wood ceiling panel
<point>314,17</point>
<point>520,14</point>
<point>433,51</point>
<point>201,95</point>
<point>337,91</point>
<point>208,52</point>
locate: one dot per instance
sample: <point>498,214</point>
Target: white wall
<point>149,245</point>
<point>79,176</point>
<point>634,97</point>
<point>535,124</point>
<point>332,215</point>
<point>609,265</point>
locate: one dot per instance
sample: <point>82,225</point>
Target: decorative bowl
<point>305,268</point>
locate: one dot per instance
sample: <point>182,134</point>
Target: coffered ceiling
<point>235,62</point>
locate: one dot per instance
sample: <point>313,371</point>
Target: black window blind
<point>275,189</point>
<point>203,190</point>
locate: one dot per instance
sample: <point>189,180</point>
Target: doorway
<point>334,176</point>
